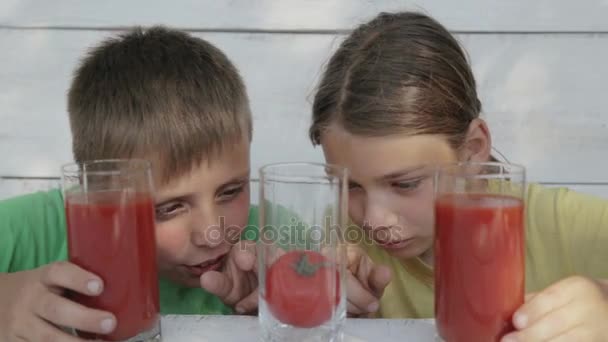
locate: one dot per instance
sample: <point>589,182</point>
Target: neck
<point>427,257</point>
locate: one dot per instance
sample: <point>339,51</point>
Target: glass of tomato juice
<point>301,254</point>
<point>478,249</point>
<point>110,219</point>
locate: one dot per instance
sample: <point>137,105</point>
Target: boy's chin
<point>183,278</point>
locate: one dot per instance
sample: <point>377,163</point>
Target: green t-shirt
<point>33,234</point>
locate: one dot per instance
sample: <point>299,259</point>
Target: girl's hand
<point>574,309</point>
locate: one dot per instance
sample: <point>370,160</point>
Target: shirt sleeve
<point>32,231</point>
<point>584,221</point>
<point>569,232</point>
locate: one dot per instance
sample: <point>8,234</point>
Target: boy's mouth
<point>209,265</point>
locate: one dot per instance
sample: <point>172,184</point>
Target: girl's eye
<point>407,185</point>
<point>169,211</point>
<point>353,186</point>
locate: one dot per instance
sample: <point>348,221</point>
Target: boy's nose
<point>209,233</point>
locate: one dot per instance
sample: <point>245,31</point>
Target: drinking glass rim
<point>266,172</point>
<point>135,165</point>
<point>504,169</point>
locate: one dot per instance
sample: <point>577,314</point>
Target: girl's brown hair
<point>399,73</point>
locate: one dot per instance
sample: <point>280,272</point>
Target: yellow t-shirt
<point>566,234</point>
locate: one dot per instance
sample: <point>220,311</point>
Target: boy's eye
<point>168,211</point>
<point>230,192</point>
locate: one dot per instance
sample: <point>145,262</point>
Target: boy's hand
<point>32,306</point>
<point>237,283</point>
<point>365,283</point>
<point>574,309</point>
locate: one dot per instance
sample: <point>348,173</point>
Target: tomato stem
<point>307,269</point>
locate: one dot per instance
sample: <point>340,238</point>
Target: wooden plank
<point>464,15</point>
<point>543,97</point>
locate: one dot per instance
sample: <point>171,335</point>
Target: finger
<point>529,296</point>
<point>245,255</point>
<point>354,255</point>
<point>576,334</point>
<point>379,278</point>
<point>551,325</point>
<point>353,310</point>
<point>61,311</point>
<point>550,299</point>
<point>360,297</point>
<point>41,330</point>
<point>248,304</point>
<point>216,283</point>
<point>70,276</point>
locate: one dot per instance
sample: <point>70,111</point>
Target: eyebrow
<point>237,179</point>
<point>400,173</point>
<point>242,178</point>
<point>173,198</point>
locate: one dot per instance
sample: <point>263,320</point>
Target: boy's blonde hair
<point>159,94</point>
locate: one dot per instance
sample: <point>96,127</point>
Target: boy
<point>176,100</point>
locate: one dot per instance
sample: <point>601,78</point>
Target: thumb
<point>217,284</point>
<point>379,277</point>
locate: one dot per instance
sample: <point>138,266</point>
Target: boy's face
<point>200,215</point>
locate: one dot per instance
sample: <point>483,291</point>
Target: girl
<point>399,94</point>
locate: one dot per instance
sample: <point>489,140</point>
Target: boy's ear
<point>477,146</point>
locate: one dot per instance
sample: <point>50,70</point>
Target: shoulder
<point>32,205</point>
<point>562,205</point>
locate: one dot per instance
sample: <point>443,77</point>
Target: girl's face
<point>391,186</point>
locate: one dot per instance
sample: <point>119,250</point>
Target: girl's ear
<point>477,146</point>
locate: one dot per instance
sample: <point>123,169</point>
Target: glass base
<point>272,330</point>
<point>151,335</point>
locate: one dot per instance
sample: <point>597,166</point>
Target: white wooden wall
<point>540,67</point>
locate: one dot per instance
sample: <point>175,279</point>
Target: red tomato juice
<point>479,265</point>
<point>112,235</point>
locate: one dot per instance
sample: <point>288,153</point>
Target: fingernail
<point>520,320</point>
<point>94,286</point>
<point>240,310</point>
<point>373,307</point>
<point>107,325</point>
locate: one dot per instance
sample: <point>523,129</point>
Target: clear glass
<point>301,254</point>
<point>110,217</point>
<point>479,249</point>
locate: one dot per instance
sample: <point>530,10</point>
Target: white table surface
<point>186,328</point>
